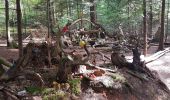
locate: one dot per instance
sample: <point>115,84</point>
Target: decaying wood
<point>118,60</point>
<point>9,93</point>
<point>2,70</point>
<point>97,67</point>
<point>136,58</point>
<point>137,76</point>
<point>31,53</point>
<point>33,75</point>
<point>5,62</point>
<point>69,64</point>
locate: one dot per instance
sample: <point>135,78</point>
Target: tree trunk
<point>49,23</point>
<point>129,30</point>
<point>144,28</point>
<point>69,7</point>
<point>92,12</point>
<point>7,22</point>
<point>161,42</point>
<point>19,27</point>
<point>150,20</point>
<point>52,15</point>
<point>77,7</point>
<point>167,28</point>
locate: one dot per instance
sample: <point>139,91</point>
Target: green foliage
<point>47,93</point>
<point>110,13</point>
<point>118,78</point>
<point>52,94</point>
<point>34,90</point>
<point>75,85</point>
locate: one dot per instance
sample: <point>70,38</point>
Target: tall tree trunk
<point>19,27</point>
<point>49,23</point>
<point>50,16</point>
<point>144,28</point>
<point>167,28</point>
<point>69,6</point>
<point>129,30</point>
<point>81,14</point>
<point>161,42</point>
<point>93,12</point>
<point>53,20</point>
<point>7,22</point>
<point>77,7</point>
<point>150,20</point>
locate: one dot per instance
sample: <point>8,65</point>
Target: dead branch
<point>97,67</point>
<point>157,55</point>
<point>33,75</point>
<point>10,93</point>
<point>5,62</point>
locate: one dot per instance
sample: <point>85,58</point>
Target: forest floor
<point>162,67</point>
<point>163,72</point>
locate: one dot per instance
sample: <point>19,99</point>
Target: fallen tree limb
<point>156,55</point>
<point>5,62</point>
<point>9,93</point>
<point>100,53</point>
<point>97,67</point>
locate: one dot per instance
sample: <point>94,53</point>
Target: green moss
<point>75,86</point>
<point>58,95</point>
<point>118,77</point>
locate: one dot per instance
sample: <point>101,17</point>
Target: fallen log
<point>97,67</point>
<point>156,55</point>
<point>5,62</point>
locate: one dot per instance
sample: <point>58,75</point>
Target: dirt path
<point>8,53</point>
<point>162,67</point>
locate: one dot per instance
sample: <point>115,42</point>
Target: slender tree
<point>128,8</point>
<point>69,8</point>
<point>162,34</point>
<point>144,28</point>
<point>19,27</point>
<point>150,19</point>
<point>49,23</point>
<point>77,7</point>
<point>167,24</point>
<point>92,12</point>
<point>7,22</point>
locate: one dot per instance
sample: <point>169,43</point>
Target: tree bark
<point>144,28</point>
<point>92,12</point>
<point>7,22</point>
<point>19,27</point>
<point>129,30</point>
<point>167,28</point>
<point>49,23</point>
<point>69,8</point>
<point>150,20</point>
<point>161,42</point>
<point>77,7</point>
